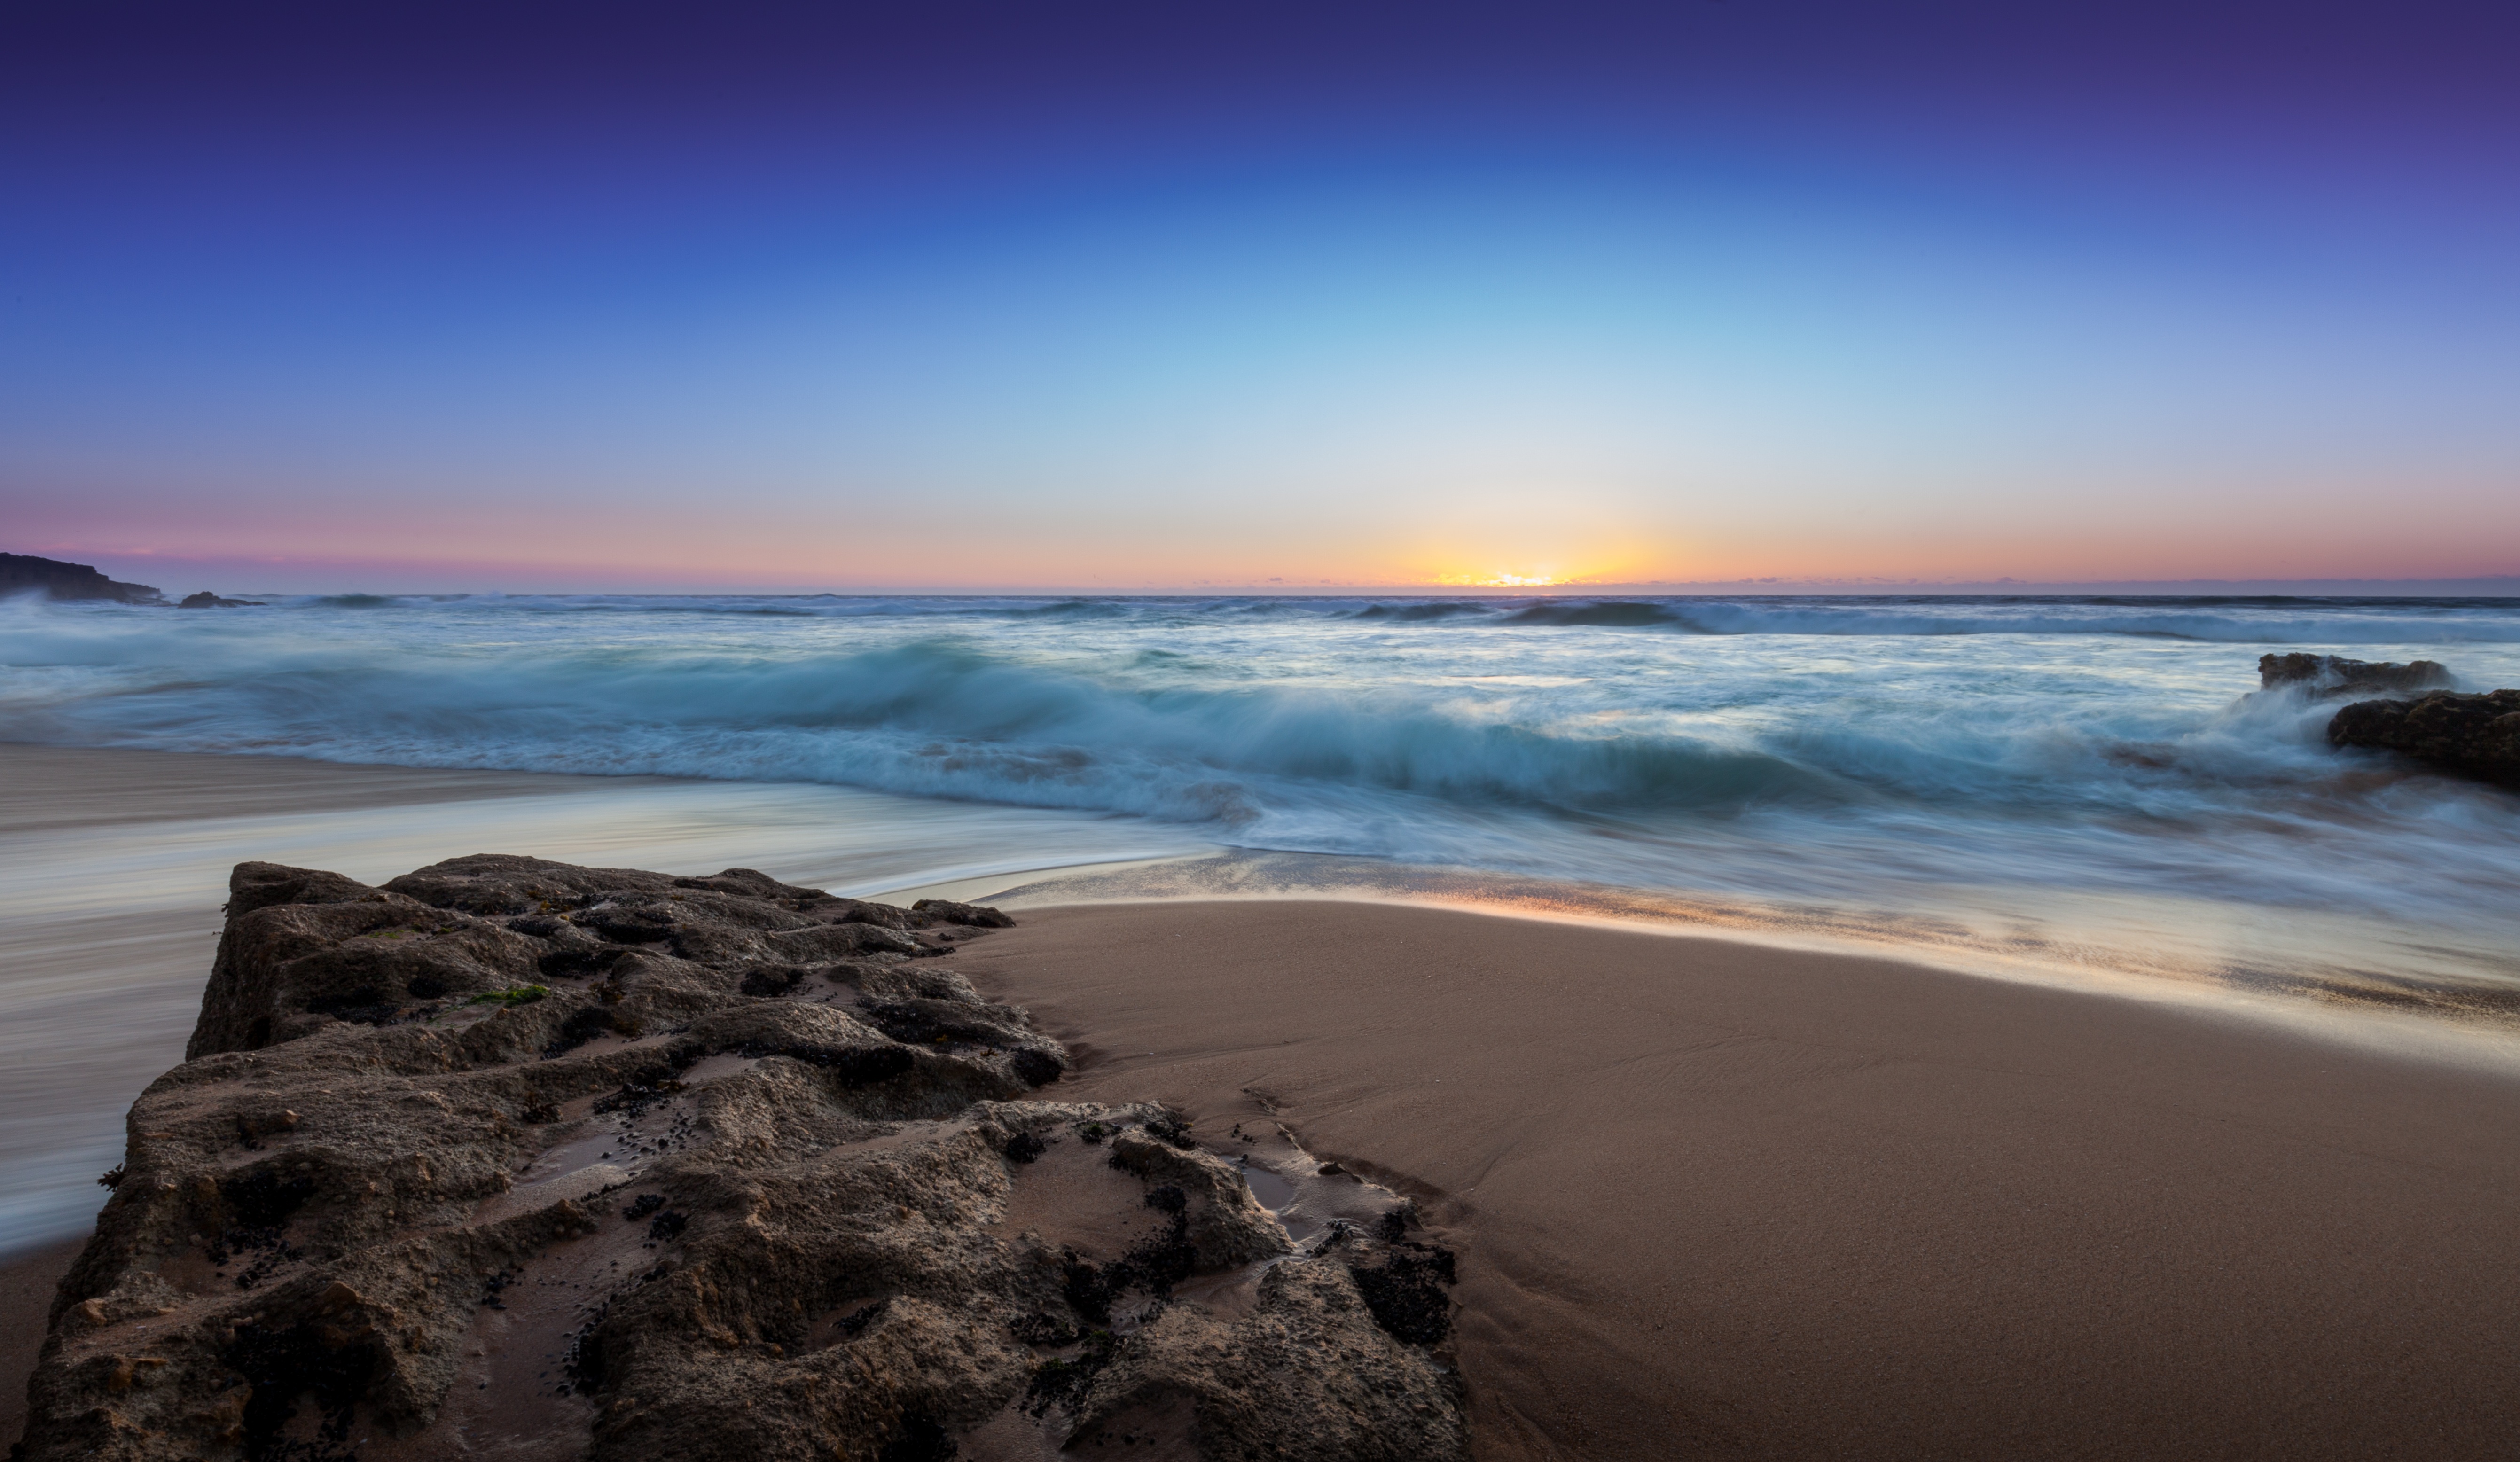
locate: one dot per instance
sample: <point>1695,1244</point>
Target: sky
<point>1122,295</point>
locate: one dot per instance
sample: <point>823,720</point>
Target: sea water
<point>2100,778</point>
<point>2095,786</point>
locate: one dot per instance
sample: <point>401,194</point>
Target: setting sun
<point>1500,581</point>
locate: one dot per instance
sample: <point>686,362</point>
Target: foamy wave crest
<point>1423,613</point>
<point>931,717</point>
<point>1743,743</point>
<point>2204,620</point>
<point>1860,755</point>
<point>1283,765</point>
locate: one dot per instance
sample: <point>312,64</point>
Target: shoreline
<point>2278,964</point>
<point>1721,1194</point>
<point>115,864</point>
<point>2279,970</point>
<point>1718,1197</point>
<point>1754,1202</point>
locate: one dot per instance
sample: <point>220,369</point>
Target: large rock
<point>514,1159</point>
<point>21,572</point>
<point>2327,675</point>
<point>2472,735</point>
<point>208,600</point>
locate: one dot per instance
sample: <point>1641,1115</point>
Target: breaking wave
<point>2212,620</point>
<point>1422,613</point>
<point>1864,750</point>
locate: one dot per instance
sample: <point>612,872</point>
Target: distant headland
<point>21,572</point>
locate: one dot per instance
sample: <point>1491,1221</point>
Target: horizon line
<point>353,576</point>
<point>2487,585</point>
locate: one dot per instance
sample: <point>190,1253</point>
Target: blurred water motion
<point>106,932</point>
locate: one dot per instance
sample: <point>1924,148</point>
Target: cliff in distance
<point>21,572</point>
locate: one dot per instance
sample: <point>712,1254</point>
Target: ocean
<point>2093,782</point>
<point>2091,790</point>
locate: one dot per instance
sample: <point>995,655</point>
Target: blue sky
<point>1136,298</point>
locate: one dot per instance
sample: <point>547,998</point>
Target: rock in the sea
<point>208,600</point>
<point>512,1158</point>
<point>21,572</point>
<point>2472,735</point>
<point>2334,674</point>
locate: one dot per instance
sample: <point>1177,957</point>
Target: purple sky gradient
<point>1139,295</point>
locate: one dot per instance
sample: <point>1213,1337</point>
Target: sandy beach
<point>27,1282</point>
<point>1716,1199</point>
<point>1712,1198</point>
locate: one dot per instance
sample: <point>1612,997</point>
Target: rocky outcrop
<point>963,914</point>
<point>509,1158</point>
<point>2471,736</point>
<point>2327,675</point>
<point>21,572</point>
<point>208,600</point>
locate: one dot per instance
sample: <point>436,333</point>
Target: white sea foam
<point>1915,754</point>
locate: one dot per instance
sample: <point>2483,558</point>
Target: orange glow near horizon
<point>1565,540</point>
<point>1500,581</point>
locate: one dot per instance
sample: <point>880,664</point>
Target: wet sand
<point>1713,1198</point>
<point>114,864</point>
<point>112,870</point>
<point>96,999</point>
<point>27,1279</point>
<point>1719,1199</point>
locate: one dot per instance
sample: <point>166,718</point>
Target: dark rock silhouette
<point>2334,674</point>
<point>2472,735</point>
<point>208,600</point>
<point>19,572</point>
